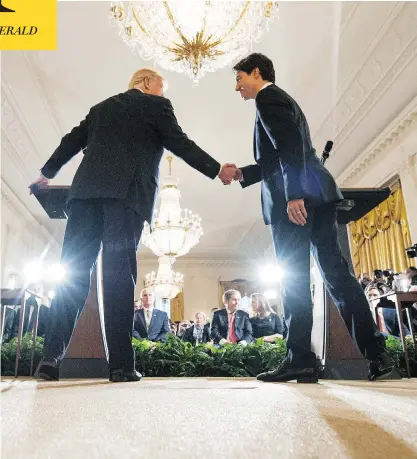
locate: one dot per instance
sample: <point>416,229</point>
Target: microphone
<point>326,152</point>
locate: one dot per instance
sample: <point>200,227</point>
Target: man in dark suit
<point>231,325</point>
<point>149,322</point>
<point>199,332</point>
<point>299,198</point>
<point>112,194</point>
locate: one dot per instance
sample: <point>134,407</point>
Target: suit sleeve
<point>175,140</point>
<point>214,332</point>
<point>251,175</point>
<point>135,333</point>
<point>247,330</point>
<point>162,336</point>
<point>70,145</point>
<point>278,324</point>
<point>279,123</point>
<point>187,336</point>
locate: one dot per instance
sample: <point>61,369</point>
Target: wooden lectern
<point>330,339</point>
<point>87,355</point>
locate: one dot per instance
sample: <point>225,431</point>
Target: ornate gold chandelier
<point>192,37</point>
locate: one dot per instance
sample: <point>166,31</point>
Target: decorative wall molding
<point>382,63</point>
<point>409,165</point>
<point>395,131</point>
<point>47,97</point>
<point>14,203</point>
<point>16,129</point>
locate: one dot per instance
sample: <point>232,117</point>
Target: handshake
<point>229,172</point>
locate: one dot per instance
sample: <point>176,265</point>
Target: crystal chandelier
<point>192,37</point>
<point>166,283</point>
<point>174,231</point>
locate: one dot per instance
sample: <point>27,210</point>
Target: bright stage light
<point>56,273</point>
<point>33,271</point>
<point>51,294</point>
<point>271,294</point>
<point>271,274</point>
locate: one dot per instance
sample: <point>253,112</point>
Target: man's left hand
<point>297,212</point>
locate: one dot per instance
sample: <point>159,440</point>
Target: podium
<point>87,354</point>
<point>331,340</point>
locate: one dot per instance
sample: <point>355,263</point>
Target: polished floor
<point>208,418</point>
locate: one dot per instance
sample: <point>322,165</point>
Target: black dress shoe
<point>382,368</point>
<point>121,375</point>
<point>288,371</point>
<point>49,370</point>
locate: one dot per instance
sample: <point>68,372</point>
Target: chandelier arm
<point>172,20</point>
<point>268,9</point>
<point>239,19</point>
<point>205,17</point>
<point>139,23</point>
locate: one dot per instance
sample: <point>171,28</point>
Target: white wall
<point>22,238</point>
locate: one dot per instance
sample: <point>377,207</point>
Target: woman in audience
<point>199,332</point>
<point>266,323</point>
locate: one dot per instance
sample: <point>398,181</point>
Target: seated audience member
<point>266,323</point>
<point>173,327</point>
<point>412,278</point>
<point>364,280</point>
<point>183,327</point>
<point>386,315</point>
<point>199,332</point>
<point>230,325</point>
<point>149,322</point>
<point>138,305</point>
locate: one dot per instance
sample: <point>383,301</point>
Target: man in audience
<point>199,332</point>
<point>364,280</point>
<point>149,322</point>
<point>230,325</point>
<point>183,327</point>
<point>386,315</point>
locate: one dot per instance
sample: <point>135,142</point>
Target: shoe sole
<point>389,375</point>
<point>307,379</point>
<point>47,377</point>
<point>122,379</point>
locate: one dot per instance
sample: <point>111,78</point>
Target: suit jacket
<point>220,326</point>
<point>189,334</point>
<point>286,161</point>
<point>391,322</point>
<point>123,139</point>
<point>158,328</point>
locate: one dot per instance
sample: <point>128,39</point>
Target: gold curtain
<point>379,239</point>
<point>177,308</point>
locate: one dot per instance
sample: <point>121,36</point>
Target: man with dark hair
<point>231,325</point>
<point>299,198</point>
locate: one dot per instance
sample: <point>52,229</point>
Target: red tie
<point>232,334</point>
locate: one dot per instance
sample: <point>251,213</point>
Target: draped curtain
<point>379,239</point>
<point>177,308</point>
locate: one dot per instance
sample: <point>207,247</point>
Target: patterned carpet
<point>208,418</point>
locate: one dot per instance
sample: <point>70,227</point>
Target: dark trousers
<point>92,223</point>
<point>293,244</point>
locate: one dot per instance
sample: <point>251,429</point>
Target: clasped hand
<point>228,173</point>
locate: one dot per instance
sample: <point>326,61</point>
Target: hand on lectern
<point>41,183</point>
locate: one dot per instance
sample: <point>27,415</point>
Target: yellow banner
<point>27,24</point>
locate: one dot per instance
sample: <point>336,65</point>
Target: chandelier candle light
<point>174,232</point>
<point>192,37</point>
